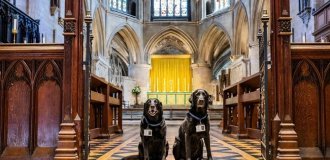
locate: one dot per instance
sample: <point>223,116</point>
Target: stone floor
<point>122,146</point>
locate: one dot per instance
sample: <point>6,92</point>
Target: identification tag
<point>147,132</point>
<point>200,128</point>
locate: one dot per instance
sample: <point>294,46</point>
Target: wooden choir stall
<point>241,108</point>
<point>105,109</point>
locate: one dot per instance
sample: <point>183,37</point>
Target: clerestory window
<point>128,7</point>
<point>170,9</point>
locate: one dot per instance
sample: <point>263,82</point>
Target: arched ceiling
<point>215,41</point>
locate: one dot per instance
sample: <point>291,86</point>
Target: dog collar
<point>153,125</point>
<point>197,118</point>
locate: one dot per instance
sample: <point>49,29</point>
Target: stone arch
<point>130,39</point>
<point>159,40</point>
<point>257,9</point>
<point>241,31</point>
<point>215,41</point>
<point>98,33</point>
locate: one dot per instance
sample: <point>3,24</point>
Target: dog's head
<point>200,101</point>
<point>153,109</point>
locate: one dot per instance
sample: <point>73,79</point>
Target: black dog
<point>195,127</point>
<point>153,145</point>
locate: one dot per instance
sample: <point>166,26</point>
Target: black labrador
<point>153,145</point>
<point>195,127</point>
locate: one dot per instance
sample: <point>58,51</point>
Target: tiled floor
<point>126,145</point>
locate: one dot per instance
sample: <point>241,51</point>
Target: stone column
<point>141,73</point>
<point>128,84</point>
<point>201,76</point>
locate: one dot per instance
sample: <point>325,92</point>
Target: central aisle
<point>223,148</point>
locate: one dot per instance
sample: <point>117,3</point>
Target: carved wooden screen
<point>311,98</point>
<point>30,100</point>
<point>327,109</point>
<point>306,102</point>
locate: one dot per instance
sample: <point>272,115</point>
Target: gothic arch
<point>159,40</point>
<point>130,39</point>
<point>257,9</point>
<point>214,42</point>
<point>98,33</point>
<point>241,31</point>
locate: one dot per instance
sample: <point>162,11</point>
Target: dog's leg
<point>145,149</point>
<point>208,146</point>
<point>188,146</point>
<point>164,152</point>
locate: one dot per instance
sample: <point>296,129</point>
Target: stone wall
<point>49,26</point>
<point>302,31</point>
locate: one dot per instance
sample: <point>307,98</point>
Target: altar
<point>171,79</point>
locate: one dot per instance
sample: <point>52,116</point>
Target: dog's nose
<point>152,107</point>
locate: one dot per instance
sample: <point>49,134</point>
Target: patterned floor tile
<point>223,148</point>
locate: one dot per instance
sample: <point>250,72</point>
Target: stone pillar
<point>201,76</point>
<point>128,84</point>
<point>141,73</point>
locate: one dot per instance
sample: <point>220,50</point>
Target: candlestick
<point>14,30</point>
<point>304,38</point>
<point>15,24</point>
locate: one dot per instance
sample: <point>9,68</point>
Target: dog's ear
<point>191,98</point>
<point>160,109</point>
<point>145,108</point>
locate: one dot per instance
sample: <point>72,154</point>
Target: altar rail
<point>171,98</point>
<point>172,113</point>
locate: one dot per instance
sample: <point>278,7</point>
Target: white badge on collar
<point>200,128</point>
<point>147,132</point>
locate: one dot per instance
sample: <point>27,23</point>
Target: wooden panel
<point>94,133</point>
<point>18,105</point>
<point>327,121</point>
<point>306,104</point>
<point>92,119</point>
<point>97,97</point>
<point>49,113</point>
<point>254,133</point>
<point>231,101</point>
<point>251,97</point>
<point>114,101</point>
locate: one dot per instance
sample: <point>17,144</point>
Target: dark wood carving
<point>241,103</point>
<point>327,111</point>
<point>327,114</point>
<point>31,100</point>
<point>18,105</point>
<point>306,105</point>
<point>48,106</point>
<point>311,98</point>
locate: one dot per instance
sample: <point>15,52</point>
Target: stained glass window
<point>221,4</point>
<point>123,6</point>
<point>156,9</point>
<point>170,9</point>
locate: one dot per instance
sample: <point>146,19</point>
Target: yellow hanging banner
<point>170,73</point>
